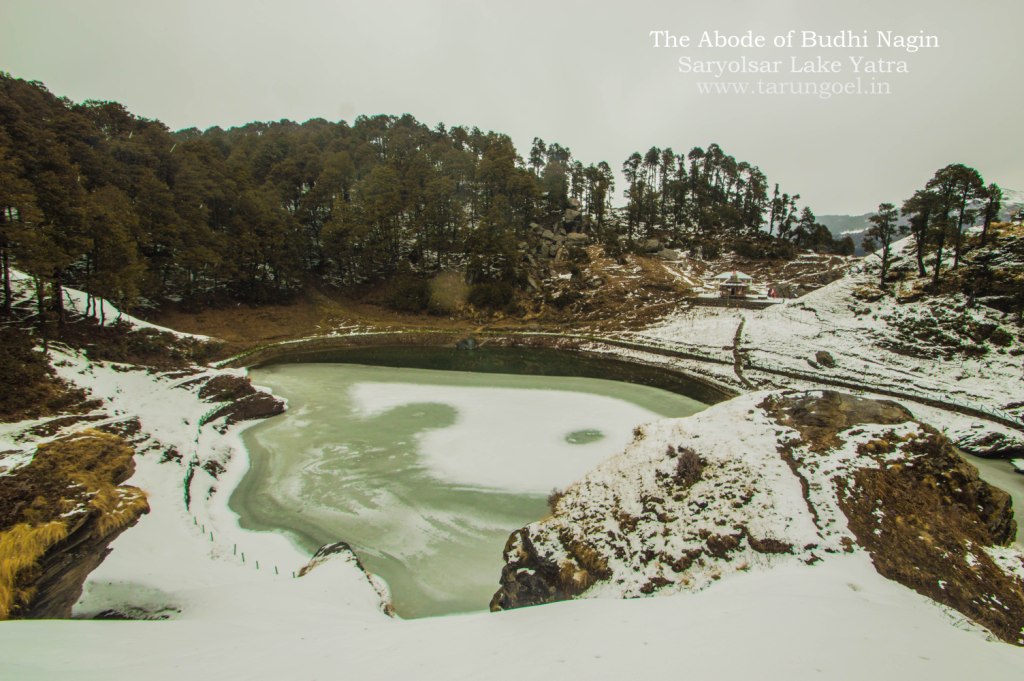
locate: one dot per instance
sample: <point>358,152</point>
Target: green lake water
<point>425,472</point>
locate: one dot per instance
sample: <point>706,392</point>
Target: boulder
<point>825,359</point>
<point>650,246</point>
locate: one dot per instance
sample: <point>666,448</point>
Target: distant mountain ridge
<point>854,226</point>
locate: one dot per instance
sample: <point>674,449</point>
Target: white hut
<point>734,284</point>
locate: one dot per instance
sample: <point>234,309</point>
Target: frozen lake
<point>425,472</point>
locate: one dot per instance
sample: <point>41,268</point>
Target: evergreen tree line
<point>708,198</point>
<point>937,216</point>
<point>94,197</point>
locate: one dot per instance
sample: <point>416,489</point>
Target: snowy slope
<point>868,340</point>
<point>77,301</point>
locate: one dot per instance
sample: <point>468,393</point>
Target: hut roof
<point>734,275</point>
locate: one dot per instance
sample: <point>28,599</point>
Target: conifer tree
<point>884,228</point>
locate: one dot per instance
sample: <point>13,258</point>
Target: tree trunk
<point>959,234</point>
<point>41,304</point>
<point>885,265</point>
<point>920,257</point>
<point>7,282</point>
<point>58,299</point>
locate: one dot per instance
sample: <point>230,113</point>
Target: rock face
<point>771,478</point>
<point>63,569</point>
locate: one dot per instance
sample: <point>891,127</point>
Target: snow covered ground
<point>836,620</point>
<point>872,343</point>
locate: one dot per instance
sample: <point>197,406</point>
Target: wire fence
<point>236,553</point>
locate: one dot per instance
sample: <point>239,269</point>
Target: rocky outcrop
<point>569,233</point>
<point>341,552</point>
<point>770,478</point>
<point>58,516</point>
<point>62,571</point>
<point>990,444</point>
<point>244,402</point>
<point>531,577</point>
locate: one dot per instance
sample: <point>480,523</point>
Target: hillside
<point>815,474</point>
<point>938,346</point>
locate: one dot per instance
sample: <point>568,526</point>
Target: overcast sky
<point>584,74</point>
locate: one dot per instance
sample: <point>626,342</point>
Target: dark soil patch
<point>225,388</point>
<point>31,388</point>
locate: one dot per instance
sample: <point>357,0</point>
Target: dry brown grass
<point>20,548</point>
<point>128,504</point>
